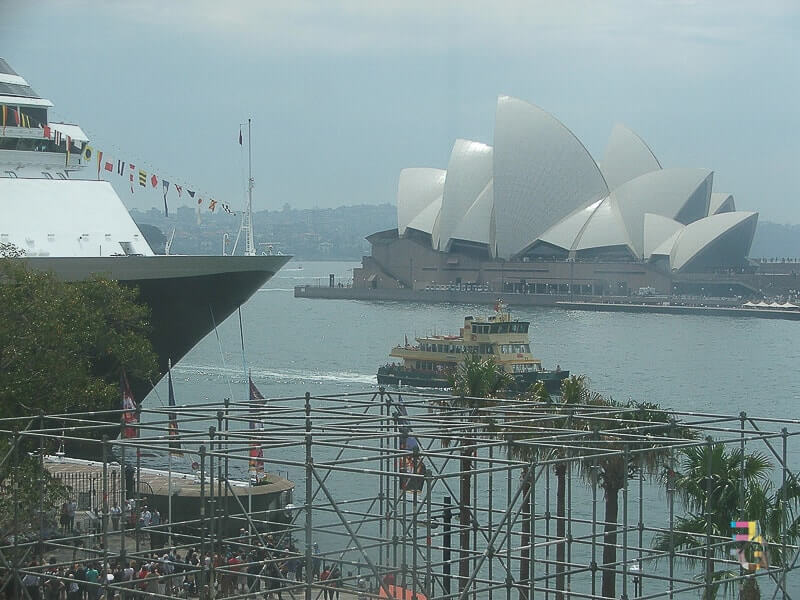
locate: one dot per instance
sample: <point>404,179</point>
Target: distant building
<point>537,209</point>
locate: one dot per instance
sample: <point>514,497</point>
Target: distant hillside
<point>314,233</point>
<point>776,241</point>
<point>338,233</point>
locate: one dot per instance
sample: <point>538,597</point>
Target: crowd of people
<point>263,570</point>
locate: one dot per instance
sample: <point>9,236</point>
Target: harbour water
<point>689,363</point>
<point>323,346</point>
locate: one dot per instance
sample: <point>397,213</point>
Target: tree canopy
<point>63,345</point>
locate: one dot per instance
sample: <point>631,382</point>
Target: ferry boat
<point>433,360</point>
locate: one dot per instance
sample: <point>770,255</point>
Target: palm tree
<point>537,393</point>
<point>573,392</point>
<point>644,427</point>
<point>715,484</point>
<point>477,382</point>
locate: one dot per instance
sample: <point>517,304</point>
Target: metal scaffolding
<point>442,496</point>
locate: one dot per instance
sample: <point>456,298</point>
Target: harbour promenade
<point>726,307</point>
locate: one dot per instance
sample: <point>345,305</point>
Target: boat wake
<point>216,373</point>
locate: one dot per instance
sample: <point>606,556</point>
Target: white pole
<point>169,497</point>
<point>249,510</point>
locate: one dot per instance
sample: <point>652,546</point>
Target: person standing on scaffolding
<point>316,561</point>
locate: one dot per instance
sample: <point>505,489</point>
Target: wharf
<point>157,482</point>
<point>679,309</point>
<point>722,306</point>
<point>85,480</point>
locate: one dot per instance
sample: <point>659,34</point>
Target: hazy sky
<point>345,94</point>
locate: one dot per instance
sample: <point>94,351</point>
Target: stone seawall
<point>435,296</point>
<point>722,306</point>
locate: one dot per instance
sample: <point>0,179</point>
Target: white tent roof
<point>73,131</point>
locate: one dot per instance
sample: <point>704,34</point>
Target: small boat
<point>433,360</point>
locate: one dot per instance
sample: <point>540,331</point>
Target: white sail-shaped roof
<point>680,194</point>
<point>468,173</point>
<point>665,248</point>
<point>565,233</point>
<point>723,239</point>
<point>627,157</point>
<point>478,224</point>
<point>542,173</point>
<point>605,229</point>
<point>721,202</point>
<point>67,218</point>
<point>417,188</point>
<point>657,230</point>
<point>426,220</point>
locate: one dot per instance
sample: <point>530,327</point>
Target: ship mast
<point>250,247</point>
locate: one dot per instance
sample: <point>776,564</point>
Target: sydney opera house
<point>535,212</point>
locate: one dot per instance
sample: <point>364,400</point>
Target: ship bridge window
<point>514,348</point>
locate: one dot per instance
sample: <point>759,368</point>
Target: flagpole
<point>251,248</point>
<point>250,509</point>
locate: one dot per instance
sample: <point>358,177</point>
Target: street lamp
<point>636,571</point>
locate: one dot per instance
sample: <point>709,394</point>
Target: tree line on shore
<point>63,348</point>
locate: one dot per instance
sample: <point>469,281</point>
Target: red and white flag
<point>130,419</point>
<point>256,451</point>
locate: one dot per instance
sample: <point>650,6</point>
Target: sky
<point>343,95</point>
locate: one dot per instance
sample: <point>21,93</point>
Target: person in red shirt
<point>323,577</point>
<point>230,579</point>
